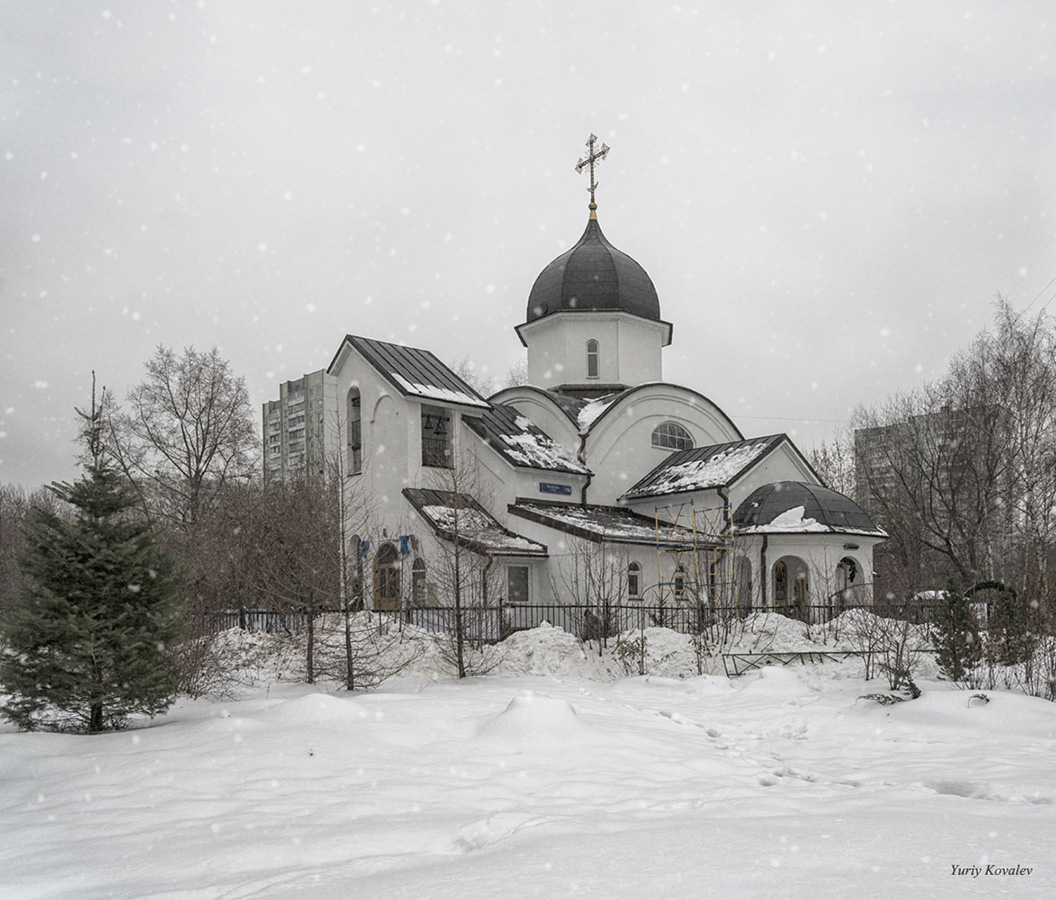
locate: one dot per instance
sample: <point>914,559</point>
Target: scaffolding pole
<point>698,540</point>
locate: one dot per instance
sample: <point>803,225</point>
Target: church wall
<point>384,417</point>
<point>821,554</point>
<point>639,346</point>
<point>557,582</point>
<point>620,450</point>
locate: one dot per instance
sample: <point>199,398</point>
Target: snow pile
<point>384,646</point>
<point>252,657</point>
<point>548,650</point>
<point>668,654</point>
<point>536,722</point>
<point>760,632</point>
<point>381,645</point>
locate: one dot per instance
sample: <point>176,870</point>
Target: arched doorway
<point>848,578</point>
<point>387,578</point>
<point>791,587</point>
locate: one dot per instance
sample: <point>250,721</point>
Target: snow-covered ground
<point>518,784</point>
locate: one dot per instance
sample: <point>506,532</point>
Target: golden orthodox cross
<point>589,160</point>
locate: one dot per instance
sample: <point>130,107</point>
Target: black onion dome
<point>828,508</point>
<point>593,275</point>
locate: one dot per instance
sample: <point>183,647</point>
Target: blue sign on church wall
<point>547,488</point>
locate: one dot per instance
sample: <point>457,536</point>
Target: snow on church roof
<point>416,373</point>
<point>602,523</point>
<point>593,409</point>
<point>700,468</point>
<point>521,441</point>
<point>458,517</point>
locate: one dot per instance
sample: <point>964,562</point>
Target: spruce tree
<point>87,645</point>
<point>955,630</point>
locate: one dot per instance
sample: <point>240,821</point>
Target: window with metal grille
<point>355,433</point>
<point>436,437</point>
<point>672,436</point>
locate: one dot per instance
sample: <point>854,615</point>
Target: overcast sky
<point>827,195</point>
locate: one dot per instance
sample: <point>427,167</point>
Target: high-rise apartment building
<point>300,428</point>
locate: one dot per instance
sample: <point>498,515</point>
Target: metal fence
<point>256,620</point>
<point>593,622</point>
<point>584,621</point>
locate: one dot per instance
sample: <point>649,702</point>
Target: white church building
<point>596,480</point>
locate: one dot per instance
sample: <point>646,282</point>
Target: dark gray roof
<point>458,517</point>
<point>603,523</point>
<point>593,275</point>
<point>568,404</point>
<point>416,373</point>
<point>775,508</point>
<point>522,443</point>
<point>702,468</point>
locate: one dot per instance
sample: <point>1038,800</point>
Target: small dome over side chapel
<point>799,507</point>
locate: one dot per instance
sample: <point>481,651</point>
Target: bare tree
<point>475,377</point>
<point>184,433</point>
<point>834,462</point>
<point>364,642</point>
<point>466,571</point>
<point>517,374</point>
<point>16,505</point>
<point>594,575</point>
<point>186,442</point>
<point>300,561</point>
<point>962,473</point>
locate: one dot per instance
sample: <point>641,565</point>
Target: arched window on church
<point>354,417</point>
<point>672,436</point>
<point>418,582</point>
<point>592,358</point>
<point>634,581</point>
